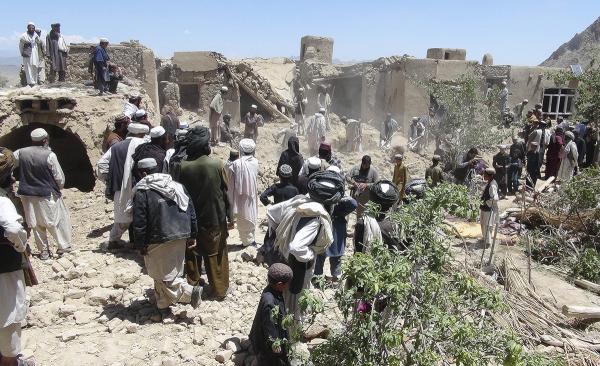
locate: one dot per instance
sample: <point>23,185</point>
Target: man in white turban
<point>216,110</point>
<point>40,181</point>
<point>115,168</point>
<point>242,176</point>
<point>30,51</point>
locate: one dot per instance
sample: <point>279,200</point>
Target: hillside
<point>581,49</point>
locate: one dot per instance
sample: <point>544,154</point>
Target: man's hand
<point>191,243</point>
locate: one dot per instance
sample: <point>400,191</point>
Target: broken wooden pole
<point>594,287</point>
<point>581,312</point>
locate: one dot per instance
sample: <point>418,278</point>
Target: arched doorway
<point>67,146</point>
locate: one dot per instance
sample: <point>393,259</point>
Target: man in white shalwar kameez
<point>242,176</point>
<point>489,206</point>
<point>29,50</point>
<point>315,131</point>
<point>114,167</point>
<point>569,157</point>
<point>40,181</point>
<point>13,241</point>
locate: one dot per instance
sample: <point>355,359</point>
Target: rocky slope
<point>581,49</point>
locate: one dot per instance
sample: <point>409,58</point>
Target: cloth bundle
<point>197,142</point>
<point>326,187</point>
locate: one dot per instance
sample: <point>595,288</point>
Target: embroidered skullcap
<point>121,118</point>
<point>279,272</point>
<point>38,134</point>
<point>490,171</point>
<point>570,135</point>
<point>247,146</point>
<point>224,88</point>
<point>139,113</point>
<point>137,128</point>
<point>147,163</point>
<point>285,171</point>
<point>314,163</point>
<point>157,132</point>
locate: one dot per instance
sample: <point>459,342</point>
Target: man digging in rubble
<point>13,242</point>
<point>40,181</point>
<point>489,206</point>
<point>242,176</point>
<point>353,134</point>
<point>252,121</point>
<point>206,181</point>
<point>216,109</point>
<point>115,167</point>
<point>164,223</point>
<point>388,128</point>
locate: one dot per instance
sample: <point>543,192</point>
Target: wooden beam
<point>581,312</point>
<point>588,285</point>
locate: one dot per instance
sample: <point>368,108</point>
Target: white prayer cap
<point>157,132</point>
<point>322,110</point>
<point>525,101</point>
<point>139,113</point>
<point>504,83</point>
<point>247,146</point>
<point>224,88</point>
<point>137,128</point>
<point>502,147</point>
<point>103,40</point>
<point>134,94</point>
<point>415,119</point>
<point>570,135</point>
<point>335,169</point>
<point>30,23</point>
<point>300,89</point>
<point>398,156</point>
<point>38,134</point>
<point>253,106</point>
<point>314,163</point>
<point>147,163</point>
<point>285,171</point>
<point>385,187</point>
<point>183,125</point>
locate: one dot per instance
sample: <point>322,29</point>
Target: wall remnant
<point>318,49</point>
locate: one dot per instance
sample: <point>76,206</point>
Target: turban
<point>198,139</point>
<point>224,88</point>
<point>7,163</point>
<point>157,132</point>
<point>139,113</point>
<point>38,134</point>
<point>121,118</point>
<point>147,163</point>
<point>253,106</point>
<point>384,193</point>
<point>31,23</point>
<point>247,146</point>
<point>490,171</point>
<point>285,171</point>
<point>322,110</point>
<point>570,135</point>
<point>184,125</point>
<point>415,119</point>
<point>326,187</point>
<point>314,163</point>
<point>103,40</point>
<point>279,272</point>
<point>137,128</point>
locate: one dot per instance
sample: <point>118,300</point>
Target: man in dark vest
<point>489,206</point>
<point>13,241</point>
<point>40,181</point>
<point>114,167</point>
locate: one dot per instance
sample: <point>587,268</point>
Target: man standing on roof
<point>57,51</point>
<point>101,59</point>
<point>28,47</point>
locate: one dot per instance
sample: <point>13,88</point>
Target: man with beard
<point>155,149</point>
<point>30,51</point>
<point>501,162</point>
<point>216,110</point>
<point>58,50</point>
<point>360,178</point>
<point>205,179</point>
<point>252,121</point>
<point>116,135</point>
<point>101,59</point>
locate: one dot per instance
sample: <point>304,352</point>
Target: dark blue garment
<point>340,224</point>
<point>101,56</point>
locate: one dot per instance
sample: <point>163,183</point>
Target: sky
<point>515,32</point>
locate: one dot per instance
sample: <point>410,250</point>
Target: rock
<point>66,310</point>
<point>101,296</point>
<point>73,273</point>
<point>65,263</point>
<point>125,278</point>
<point>74,294</point>
<point>114,325</point>
<point>68,335</point>
<point>316,331</point>
<point>56,267</point>
<point>233,345</point>
<point>131,328</point>
<point>84,317</point>
<point>169,362</point>
<point>223,356</point>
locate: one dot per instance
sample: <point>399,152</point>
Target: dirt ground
<point>94,307</point>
